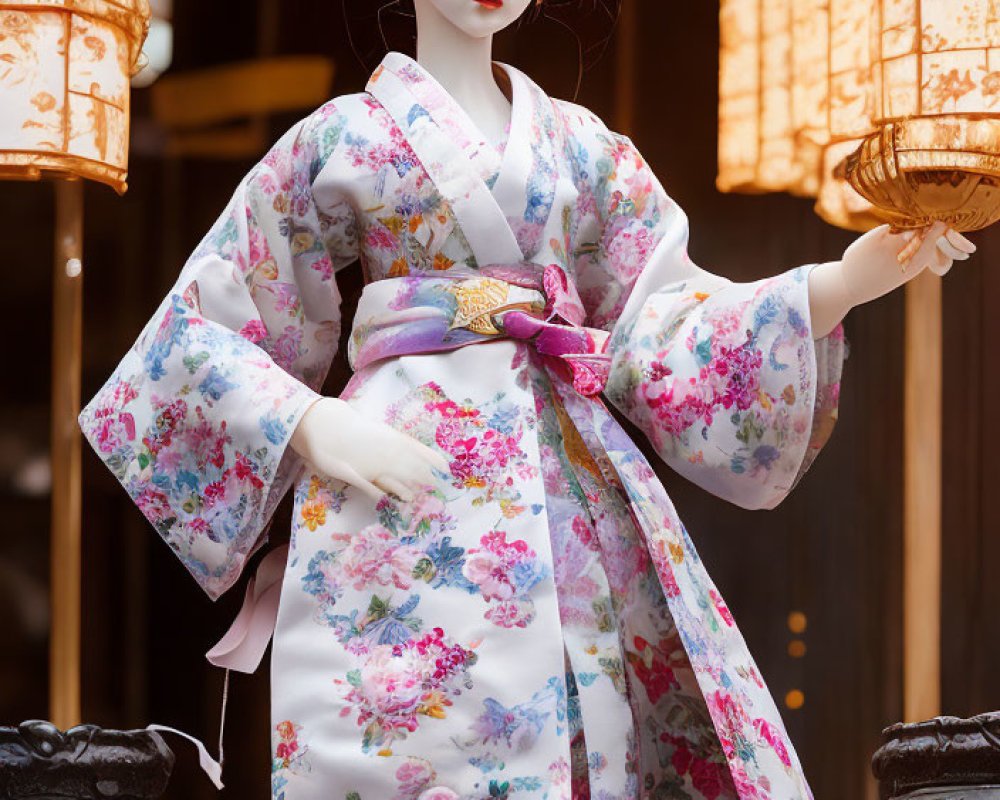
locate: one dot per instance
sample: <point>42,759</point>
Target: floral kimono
<point>535,624</point>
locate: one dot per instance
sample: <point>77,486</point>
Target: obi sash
<point>460,307</point>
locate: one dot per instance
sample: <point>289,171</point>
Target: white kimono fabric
<point>537,623</point>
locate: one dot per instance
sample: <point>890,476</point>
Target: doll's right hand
<point>373,456</point>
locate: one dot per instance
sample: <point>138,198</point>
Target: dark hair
<point>377,26</point>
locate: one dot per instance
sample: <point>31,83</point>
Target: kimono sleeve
<point>724,378</point>
<point>196,419</point>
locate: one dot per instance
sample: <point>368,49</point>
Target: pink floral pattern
<point>399,683</point>
<point>505,573</point>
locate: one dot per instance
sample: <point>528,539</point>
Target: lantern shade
<point>939,57</point>
<point>739,96</point>
<point>757,144</point>
<point>776,170</point>
<point>68,112</point>
<point>851,93</point>
<point>936,153</point>
<point>795,78</point>
<point>809,94</point>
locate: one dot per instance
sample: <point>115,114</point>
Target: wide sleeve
<point>196,419</point>
<point>725,379</point>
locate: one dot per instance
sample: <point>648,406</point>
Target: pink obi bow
<point>452,309</point>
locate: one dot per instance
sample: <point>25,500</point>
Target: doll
<point>487,591</point>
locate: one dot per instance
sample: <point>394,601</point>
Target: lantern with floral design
<point>935,152</point>
<point>64,80</point>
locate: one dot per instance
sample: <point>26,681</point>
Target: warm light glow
<point>937,102</point>
<point>777,169</point>
<point>805,83</point>
<point>757,145</point>
<point>794,79</point>
<point>67,111</point>
<point>797,622</point>
<point>739,96</point>
<point>939,57</point>
<point>810,60</point>
<point>851,93</point>
<point>797,648</point>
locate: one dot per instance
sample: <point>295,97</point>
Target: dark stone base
<point>945,758</point>
<point>38,761</point>
<point>955,793</point>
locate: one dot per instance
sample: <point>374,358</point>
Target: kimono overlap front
<point>537,623</point>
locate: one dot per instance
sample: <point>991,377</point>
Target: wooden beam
<point>231,92</point>
<point>626,72</point>
<point>66,561</point>
<point>922,499</point>
<point>246,140</point>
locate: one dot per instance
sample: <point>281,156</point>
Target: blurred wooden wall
<point>832,551</point>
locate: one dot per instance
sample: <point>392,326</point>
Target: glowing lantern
<point>64,93</point>
<point>756,142</point>
<point>809,103</point>
<point>795,99</point>
<point>64,79</point>
<point>936,154</point>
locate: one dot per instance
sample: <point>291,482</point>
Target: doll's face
<point>475,18</point>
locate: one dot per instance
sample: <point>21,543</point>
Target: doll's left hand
<point>871,267</point>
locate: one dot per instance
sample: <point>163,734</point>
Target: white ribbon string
<point>209,765</point>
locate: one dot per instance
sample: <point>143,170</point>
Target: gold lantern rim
<point>32,165</point>
<point>942,167</point>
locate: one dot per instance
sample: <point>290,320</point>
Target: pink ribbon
<point>560,334</point>
<point>584,350</point>
<point>242,647</point>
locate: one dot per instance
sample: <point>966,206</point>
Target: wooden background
<point>832,551</point>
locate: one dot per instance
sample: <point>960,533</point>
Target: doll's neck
<point>463,65</point>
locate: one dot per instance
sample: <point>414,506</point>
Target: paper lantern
<point>850,108</point>
<point>64,79</point>
<point>809,92</point>
<point>936,154</point>
<point>837,201</point>
<point>795,80</point>
<point>739,96</point>
<point>756,140</point>
<point>64,112</point>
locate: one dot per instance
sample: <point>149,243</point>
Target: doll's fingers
<point>411,448</point>
<point>942,270</point>
<point>959,241</point>
<point>913,242</point>
<point>413,472</point>
<point>407,461</point>
<point>353,477</point>
<point>428,455</point>
<point>395,487</point>
<point>938,260</point>
<point>950,251</point>
<point>924,240</point>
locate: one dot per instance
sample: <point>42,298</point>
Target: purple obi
<point>444,311</point>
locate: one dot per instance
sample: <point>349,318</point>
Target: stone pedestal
<point>945,758</point>
<point>37,761</point>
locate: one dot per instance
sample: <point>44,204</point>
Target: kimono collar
<point>435,101</point>
<point>460,159</point>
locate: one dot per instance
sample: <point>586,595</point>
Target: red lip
<point>491,4</point>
